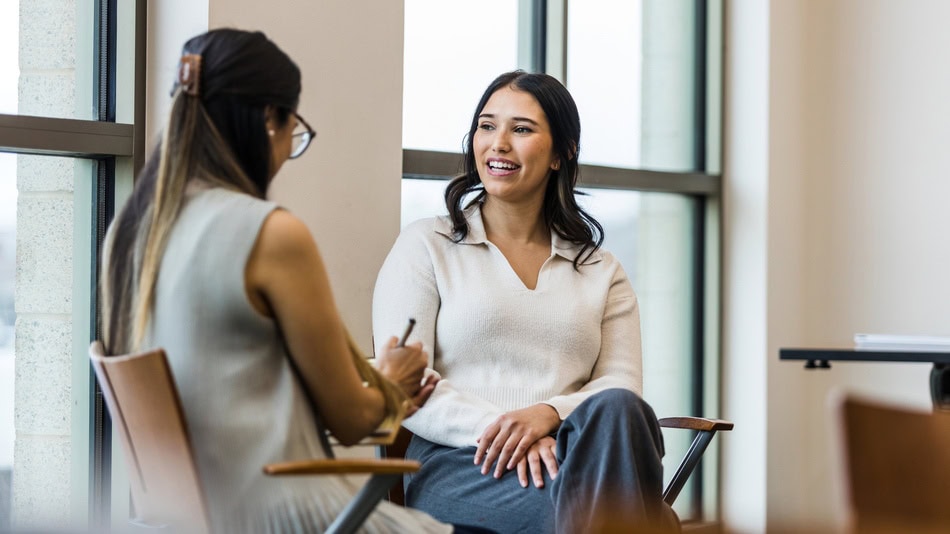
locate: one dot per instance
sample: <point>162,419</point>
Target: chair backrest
<point>146,412</point>
<point>897,465</point>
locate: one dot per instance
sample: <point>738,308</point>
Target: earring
<point>271,133</point>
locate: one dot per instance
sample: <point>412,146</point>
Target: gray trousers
<point>610,477</point>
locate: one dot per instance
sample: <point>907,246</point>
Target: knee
<point>618,397</point>
<point>620,403</point>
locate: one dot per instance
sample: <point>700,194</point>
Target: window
<point>443,34</point>
<point>66,151</point>
<point>645,76</point>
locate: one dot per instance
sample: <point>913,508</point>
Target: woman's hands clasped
<point>405,366</point>
<point>520,439</point>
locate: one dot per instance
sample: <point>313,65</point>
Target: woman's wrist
<point>547,413</point>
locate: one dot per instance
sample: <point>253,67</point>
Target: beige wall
<point>852,172</point>
<point>347,187</point>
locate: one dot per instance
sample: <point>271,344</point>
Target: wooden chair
<point>897,466</point>
<point>142,398</point>
<point>705,431</point>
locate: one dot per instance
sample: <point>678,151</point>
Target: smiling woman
<point>538,335</point>
<point>512,147</point>
<point>646,77</point>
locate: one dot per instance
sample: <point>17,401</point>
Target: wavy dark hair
<point>561,212</point>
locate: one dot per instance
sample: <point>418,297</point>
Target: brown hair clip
<point>189,74</point>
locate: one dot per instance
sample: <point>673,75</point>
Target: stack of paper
<point>894,342</point>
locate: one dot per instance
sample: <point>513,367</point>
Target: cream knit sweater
<point>497,345</point>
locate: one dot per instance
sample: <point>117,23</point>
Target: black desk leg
<point>940,386</point>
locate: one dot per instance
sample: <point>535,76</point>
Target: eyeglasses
<point>301,140</point>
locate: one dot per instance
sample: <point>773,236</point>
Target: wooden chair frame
<point>896,466</point>
<point>142,398</point>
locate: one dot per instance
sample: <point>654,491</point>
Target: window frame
<point>110,145</point>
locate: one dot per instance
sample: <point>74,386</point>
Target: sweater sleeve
<point>620,361</point>
<point>407,287</point>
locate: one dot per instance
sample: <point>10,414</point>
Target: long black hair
<point>216,132</point>
<point>561,212</point>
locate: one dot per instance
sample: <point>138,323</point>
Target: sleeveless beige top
<point>242,401</point>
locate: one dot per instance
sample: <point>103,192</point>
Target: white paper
<point>896,342</point>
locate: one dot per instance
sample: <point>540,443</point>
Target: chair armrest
<point>706,429</point>
<point>342,467</point>
<point>384,474</point>
<point>696,423</point>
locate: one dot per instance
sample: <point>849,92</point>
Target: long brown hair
<point>209,136</point>
<point>216,133</point>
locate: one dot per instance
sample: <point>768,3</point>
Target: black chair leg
<point>693,455</point>
<point>363,504</point>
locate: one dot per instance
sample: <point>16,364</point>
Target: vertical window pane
<point>604,76</point>
<point>422,198</point>
<point>453,50</point>
<point>7,269</point>
<point>9,73</point>
<point>44,324</point>
<point>9,67</point>
<point>47,58</point>
<point>651,234</point>
<point>631,69</point>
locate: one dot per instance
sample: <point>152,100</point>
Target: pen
<point>405,335</point>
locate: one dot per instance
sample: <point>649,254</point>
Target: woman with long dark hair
<point>198,262</point>
<point>537,424</point>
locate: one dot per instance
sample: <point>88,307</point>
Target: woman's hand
<point>543,451</point>
<point>509,437</point>
<point>404,366</point>
<point>428,386</point>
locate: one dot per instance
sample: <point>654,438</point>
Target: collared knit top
<point>498,345</point>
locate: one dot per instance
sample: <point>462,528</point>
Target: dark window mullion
<point>103,202</point>
<point>699,340</point>
<point>103,206</point>
<point>539,35</point>
<point>700,78</point>
<point>699,239</point>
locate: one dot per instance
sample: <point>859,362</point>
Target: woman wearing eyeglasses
<point>198,262</point>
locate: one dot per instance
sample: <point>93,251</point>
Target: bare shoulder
<point>284,235</point>
<point>284,251</point>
